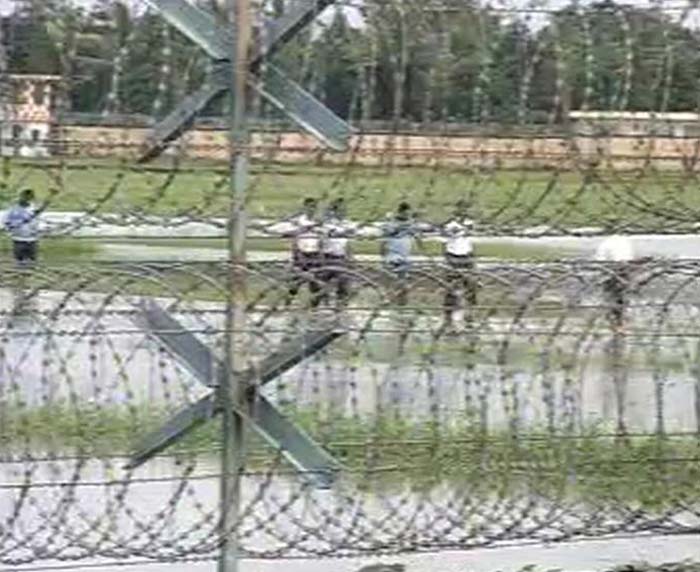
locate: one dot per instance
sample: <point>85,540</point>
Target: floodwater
<point>92,351</point>
<point>586,556</point>
<point>167,509</point>
<point>659,246</point>
<point>107,226</point>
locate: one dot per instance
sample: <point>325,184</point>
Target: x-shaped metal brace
<point>204,29</point>
<point>295,445</point>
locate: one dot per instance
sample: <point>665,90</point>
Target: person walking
<point>399,235</point>
<point>459,257</point>
<point>22,223</point>
<point>618,253</point>
<point>337,230</point>
<point>306,252</point>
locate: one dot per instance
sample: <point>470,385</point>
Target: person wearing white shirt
<point>337,230</point>
<point>459,257</point>
<point>305,232</point>
<point>22,223</point>
<point>616,252</point>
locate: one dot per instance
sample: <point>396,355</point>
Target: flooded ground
<point>91,351</point>
<point>168,510</point>
<point>585,556</point>
<point>581,242</point>
<point>659,246</point>
<point>526,373</point>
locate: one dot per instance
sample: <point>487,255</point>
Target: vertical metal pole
<point>233,456</point>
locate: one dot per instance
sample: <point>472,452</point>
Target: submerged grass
<point>54,250</point>
<point>650,472</point>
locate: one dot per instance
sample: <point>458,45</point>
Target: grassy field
<point>493,250</point>
<point>498,197</point>
<point>649,472</point>
<point>55,250</point>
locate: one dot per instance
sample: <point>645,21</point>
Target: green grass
<point>650,472</point>
<point>54,250</point>
<point>506,198</point>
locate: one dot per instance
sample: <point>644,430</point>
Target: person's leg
<point>342,283</point>
<point>18,251</point>
<point>314,279</point>
<point>618,301</point>
<point>614,289</point>
<point>32,250</point>
<point>24,252</point>
<point>324,276</point>
<point>470,284</point>
<point>450,301</point>
<point>295,280</point>
<point>402,274</point>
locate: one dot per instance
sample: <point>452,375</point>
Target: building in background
<point>27,115</point>
<point>635,123</point>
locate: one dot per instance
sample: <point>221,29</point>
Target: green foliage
<point>402,62</point>
<point>392,453</point>
<point>498,197</point>
<point>55,250</point>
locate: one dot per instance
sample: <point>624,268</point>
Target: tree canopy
<point>403,61</point>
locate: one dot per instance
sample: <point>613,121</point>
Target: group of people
<point>321,251</point>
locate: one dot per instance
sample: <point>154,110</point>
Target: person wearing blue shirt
<point>22,223</point>
<point>399,235</point>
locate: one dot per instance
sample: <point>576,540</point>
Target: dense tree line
<point>393,60</point>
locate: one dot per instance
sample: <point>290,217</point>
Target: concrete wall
<point>617,152</point>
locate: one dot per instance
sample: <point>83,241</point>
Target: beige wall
<point>381,149</point>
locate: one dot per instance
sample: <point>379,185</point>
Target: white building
<point>27,115</point>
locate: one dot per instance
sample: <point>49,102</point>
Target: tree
<point>619,57</point>
<point>32,49</point>
<point>337,64</point>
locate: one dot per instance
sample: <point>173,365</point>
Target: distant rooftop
<point>681,116</point>
<point>34,76</point>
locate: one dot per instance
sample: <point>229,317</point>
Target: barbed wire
<point>533,387</point>
<point>460,400</point>
<point>566,170</point>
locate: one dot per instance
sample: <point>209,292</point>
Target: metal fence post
<point>232,392</point>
